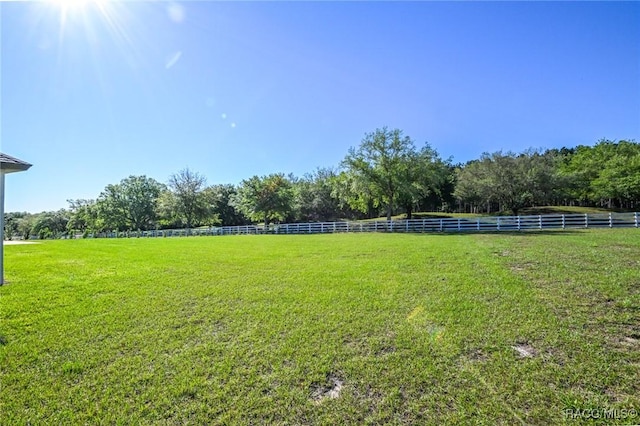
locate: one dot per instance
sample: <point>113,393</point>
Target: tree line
<point>386,174</point>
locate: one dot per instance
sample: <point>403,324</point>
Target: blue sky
<point>95,92</point>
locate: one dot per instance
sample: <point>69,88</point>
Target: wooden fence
<point>471,224</point>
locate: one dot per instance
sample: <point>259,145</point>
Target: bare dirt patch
<point>632,340</point>
<point>477,355</point>
<point>17,242</point>
<point>330,390</point>
<point>386,350</point>
<point>521,267</point>
<point>473,356</point>
<point>525,350</point>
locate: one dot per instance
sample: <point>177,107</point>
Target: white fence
<point>474,224</point>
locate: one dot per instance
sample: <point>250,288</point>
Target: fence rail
<point>475,224</point>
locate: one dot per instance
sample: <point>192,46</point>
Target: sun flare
<point>72,4</point>
<point>75,7</point>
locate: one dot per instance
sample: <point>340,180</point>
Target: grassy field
<point>523,212</point>
<point>323,329</point>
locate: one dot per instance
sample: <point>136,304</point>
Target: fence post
<point>424,224</point>
<point>441,228</point>
<point>610,220</point>
<point>391,226</point>
<point>407,226</point>
<point>586,220</point>
<point>540,221</point>
<point>498,224</point>
<point>458,224</point>
<point>562,221</point>
<point>478,224</point>
<point>635,218</point>
<point>518,222</point>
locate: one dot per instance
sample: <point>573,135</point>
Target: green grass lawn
<point>322,329</point>
<point>527,211</point>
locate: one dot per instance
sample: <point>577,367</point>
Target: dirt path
<point>16,242</point>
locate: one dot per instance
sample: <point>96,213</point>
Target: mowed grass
<point>322,329</point>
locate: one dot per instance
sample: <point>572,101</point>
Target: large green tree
<point>84,216</point>
<point>267,198</point>
<point>314,199</point>
<point>130,204</point>
<point>12,222</point>
<point>619,179</point>
<point>473,185</point>
<point>25,226</point>
<point>188,199</point>
<point>425,175</point>
<point>50,224</point>
<point>390,170</point>
<point>512,181</point>
<point>220,198</point>
<point>354,194</point>
<point>607,173</point>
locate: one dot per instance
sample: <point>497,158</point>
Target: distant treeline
<point>385,175</point>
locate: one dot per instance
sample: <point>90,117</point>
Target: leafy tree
<point>50,224</point>
<point>353,194</point>
<point>474,185</point>
<point>314,199</point>
<point>620,177</point>
<point>267,198</point>
<point>84,216</point>
<point>513,181</point>
<point>130,204</point>
<point>607,173</point>
<point>12,222</point>
<point>189,201</point>
<point>579,172</point>
<point>543,175</point>
<point>441,197</point>
<point>220,198</point>
<point>561,192</point>
<point>389,170</point>
<point>424,175</point>
<point>167,210</point>
<point>510,186</point>
<point>379,165</point>
<point>25,226</point>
